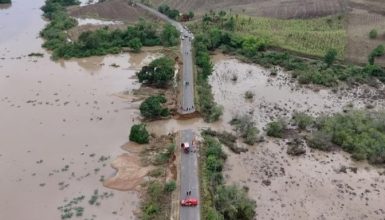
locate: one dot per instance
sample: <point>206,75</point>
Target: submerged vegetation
<point>360,133</point>
<point>220,201</point>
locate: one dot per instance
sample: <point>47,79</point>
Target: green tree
<point>169,36</point>
<point>159,72</point>
<point>135,44</point>
<point>151,108</point>
<point>190,14</point>
<point>330,57</point>
<point>139,134</point>
<point>5,1</point>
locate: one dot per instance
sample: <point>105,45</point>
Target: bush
<point>160,72</point>
<point>330,57</point>
<point>139,134</point>
<point>276,128</point>
<point>245,126</point>
<point>376,52</point>
<point>232,203</point>
<point>360,133</point>
<point>373,34</point>
<point>151,108</point>
<point>249,95</point>
<point>5,1</point>
<point>170,186</point>
<point>302,120</point>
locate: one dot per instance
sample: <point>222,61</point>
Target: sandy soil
<point>308,187</point>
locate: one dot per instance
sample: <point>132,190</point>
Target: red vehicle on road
<point>189,202</point>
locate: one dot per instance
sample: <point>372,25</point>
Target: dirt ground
<point>314,185</point>
<point>110,10</point>
<point>364,16</point>
<point>269,8</point>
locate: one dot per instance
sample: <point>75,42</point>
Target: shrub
<point>330,57</point>
<point>376,52</point>
<point>170,186</point>
<point>139,134</point>
<point>245,126</point>
<point>276,128</point>
<point>249,95</point>
<point>373,34</point>
<point>232,203</point>
<point>302,120</point>
<point>151,108</point>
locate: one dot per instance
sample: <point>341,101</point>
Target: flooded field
<point>61,124</point>
<point>279,96</point>
<point>317,185</point>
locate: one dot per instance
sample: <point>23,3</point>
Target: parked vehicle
<point>186,147</point>
<point>189,202</point>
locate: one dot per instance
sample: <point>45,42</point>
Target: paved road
<point>186,104</point>
<point>189,178</point>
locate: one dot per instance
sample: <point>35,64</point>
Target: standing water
<point>61,123</point>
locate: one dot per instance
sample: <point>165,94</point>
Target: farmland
<point>311,36</point>
<point>271,8</point>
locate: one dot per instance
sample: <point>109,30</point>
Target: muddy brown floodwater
<point>312,186</point>
<point>61,124</point>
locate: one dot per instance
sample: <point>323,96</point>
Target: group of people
<point>188,193</point>
<point>186,109</point>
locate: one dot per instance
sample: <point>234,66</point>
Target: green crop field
<point>309,36</point>
<point>306,36</point>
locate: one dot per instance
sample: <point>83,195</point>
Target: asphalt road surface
<point>189,162</point>
<point>189,178</point>
<point>186,104</point>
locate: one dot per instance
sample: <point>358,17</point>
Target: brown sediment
<point>315,185</point>
<point>130,173</point>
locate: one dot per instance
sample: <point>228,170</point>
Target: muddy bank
<point>317,185</point>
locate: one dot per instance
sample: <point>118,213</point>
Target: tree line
<point>102,41</point>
